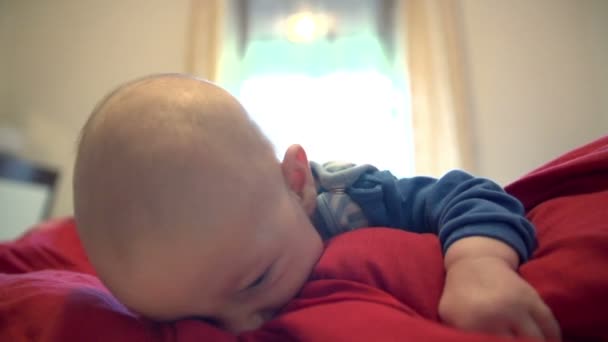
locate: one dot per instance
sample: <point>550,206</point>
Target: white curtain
<point>204,37</point>
<point>441,122</point>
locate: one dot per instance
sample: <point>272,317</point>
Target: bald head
<point>172,105</point>
<point>163,160</point>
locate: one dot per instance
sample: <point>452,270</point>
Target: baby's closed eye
<point>259,280</point>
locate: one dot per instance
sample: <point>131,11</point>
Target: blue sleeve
<point>454,206</point>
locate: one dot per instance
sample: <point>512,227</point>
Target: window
<point>334,92</point>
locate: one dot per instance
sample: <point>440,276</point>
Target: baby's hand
<point>486,294</point>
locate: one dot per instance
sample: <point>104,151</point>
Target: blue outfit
<point>453,207</point>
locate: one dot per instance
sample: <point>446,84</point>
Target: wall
<point>66,54</point>
<point>5,27</point>
<point>11,139</point>
<point>599,43</point>
<point>537,73</point>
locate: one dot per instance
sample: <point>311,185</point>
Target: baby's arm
<point>484,235</point>
<point>453,207</point>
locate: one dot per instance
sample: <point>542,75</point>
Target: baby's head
<point>184,209</point>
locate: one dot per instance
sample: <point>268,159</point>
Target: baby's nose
<point>248,322</point>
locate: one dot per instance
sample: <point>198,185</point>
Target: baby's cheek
<point>306,264</point>
<point>162,299</point>
<point>286,288</point>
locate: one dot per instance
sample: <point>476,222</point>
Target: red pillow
<point>567,200</point>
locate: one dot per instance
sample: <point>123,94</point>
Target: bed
<point>362,289</point>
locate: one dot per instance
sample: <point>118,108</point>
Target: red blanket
<point>368,286</point>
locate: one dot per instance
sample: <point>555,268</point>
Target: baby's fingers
<point>547,323</point>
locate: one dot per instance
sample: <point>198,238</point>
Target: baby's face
<point>267,267</point>
<point>273,270</point>
<point>259,269</point>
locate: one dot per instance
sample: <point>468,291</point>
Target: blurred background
<point>415,86</point>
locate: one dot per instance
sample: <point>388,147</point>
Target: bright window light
<point>347,116</point>
<point>337,99</point>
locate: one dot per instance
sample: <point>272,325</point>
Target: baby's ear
<point>298,176</point>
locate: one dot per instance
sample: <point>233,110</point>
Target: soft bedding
<point>368,286</point>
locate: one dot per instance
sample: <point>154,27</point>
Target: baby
<point>185,211</point>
